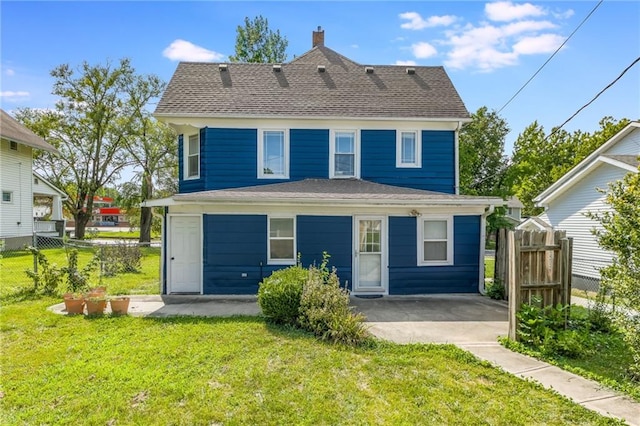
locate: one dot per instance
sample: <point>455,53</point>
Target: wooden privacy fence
<point>534,267</point>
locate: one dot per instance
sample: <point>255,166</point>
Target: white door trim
<point>170,217</point>
<point>384,262</point>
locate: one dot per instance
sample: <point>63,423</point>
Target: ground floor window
<point>435,241</point>
<point>282,246</point>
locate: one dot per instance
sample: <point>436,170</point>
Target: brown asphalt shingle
<point>344,90</point>
<point>12,130</point>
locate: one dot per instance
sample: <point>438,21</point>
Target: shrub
<point>279,295</point>
<point>120,258</point>
<point>325,311</point>
<point>495,290</point>
<point>78,280</point>
<point>48,277</point>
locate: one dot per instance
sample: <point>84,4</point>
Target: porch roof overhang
<point>322,192</point>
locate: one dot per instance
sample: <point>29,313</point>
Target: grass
<point>15,283</point>
<point>120,235</point>
<point>127,370</point>
<point>606,360</point>
<point>489,267</point>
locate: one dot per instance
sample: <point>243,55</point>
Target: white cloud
<point>423,50</point>
<point>14,96</point>
<point>354,46</point>
<point>516,28</point>
<point>405,62</point>
<point>417,22</point>
<point>182,50</point>
<point>544,43</point>
<point>505,11</point>
<point>9,72</point>
<point>564,15</point>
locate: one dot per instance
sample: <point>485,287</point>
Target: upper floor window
<point>192,157</point>
<point>408,149</point>
<point>282,241</point>
<point>7,196</point>
<point>435,241</point>
<point>344,159</point>
<point>273,154</point>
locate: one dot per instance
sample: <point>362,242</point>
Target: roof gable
<point>12,130</point>
<point>343,89</point>
<point>595,159</point>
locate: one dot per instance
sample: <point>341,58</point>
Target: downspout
<point>456,151</point>
<point>483,235</point>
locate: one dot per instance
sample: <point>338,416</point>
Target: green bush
<point>495,290</point>
<point>120,258</point>
<point>325,311</point>
<point>279,295</point>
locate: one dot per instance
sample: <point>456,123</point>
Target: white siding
<point>629,145</point>
<point>16,176</point>
<point>568,213</point>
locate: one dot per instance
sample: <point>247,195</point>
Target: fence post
<point>513,255</point>
<point>34,241</point>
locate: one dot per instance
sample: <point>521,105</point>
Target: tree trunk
<point>81,218</point>
<point>145,224</point>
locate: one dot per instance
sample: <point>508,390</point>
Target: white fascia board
<point>63,196</point>
<point>539,200</point>
<point>543,200</point>
<point>159,202</point>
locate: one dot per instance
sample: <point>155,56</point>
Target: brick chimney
<point>318,37</point>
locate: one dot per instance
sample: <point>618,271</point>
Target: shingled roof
<point>300,88</point>
<point>336,191</point>
<point>12,130</point>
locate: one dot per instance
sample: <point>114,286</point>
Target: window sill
<point>436,263</point>
<point>289,262</point>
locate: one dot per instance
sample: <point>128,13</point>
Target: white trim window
<point>192,156</point>
<point>7,196</point>
<point>281,240</point>
<point>408,149</point>
<point>435,240</point>
<point>273,154</point>
<point>344,157</point>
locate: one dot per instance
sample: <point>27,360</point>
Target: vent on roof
<point>411,71</point>
<point>277,67</point>
<point>223,67</point>
<point>321,68</point>
<point>14,145</point>
<point>368,70</point>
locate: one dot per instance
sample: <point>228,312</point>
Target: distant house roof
<point>595,159</point>
<point>534,222</point>
<point>12,130</point>
<point>48,184</point>
<point>514,202</point>
<point>334,191</point>
<point>318,84</point>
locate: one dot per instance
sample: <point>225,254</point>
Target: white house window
<point>273,154</point>
<point>435,241</point>
<point>13,145</point>
<point>282,246</point>
<point>408,149</point>
<point>192,163</point>
<point>7,196</point>
<point>344,161</point>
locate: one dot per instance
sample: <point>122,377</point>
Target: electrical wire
<point>594,98</point>
<point>551,57</point>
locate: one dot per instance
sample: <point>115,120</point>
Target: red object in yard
<point>109,210</point>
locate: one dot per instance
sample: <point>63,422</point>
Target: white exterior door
<point>185,254</point>
<point>370,255</point>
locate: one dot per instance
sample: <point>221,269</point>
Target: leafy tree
<point>153,149</point>
<point>482,160</point>
<point>620,234</point>
<point>539,160</point>
<point>255,42</point>
<point>90,126</point>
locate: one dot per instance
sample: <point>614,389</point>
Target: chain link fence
<point>124,266</point>
<point>586,273</point>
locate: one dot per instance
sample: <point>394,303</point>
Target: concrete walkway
<point>471,322</point>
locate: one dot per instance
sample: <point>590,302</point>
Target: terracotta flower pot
<point>119,305</point>
<point>96,306</point>
<point>73,305</point>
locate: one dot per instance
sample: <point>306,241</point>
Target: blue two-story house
<point>321,154</point>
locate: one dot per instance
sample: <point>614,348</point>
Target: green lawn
<point>127,370</point>
<point>120,235</point>
<point>14,281</point>
<point>489,267</point>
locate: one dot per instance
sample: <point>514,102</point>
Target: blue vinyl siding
<point>378,161</point>
<point>332,234</point>
<point>309,151</point>
<point>407,278</point>
<point>189,185</point>
<point>232,159</point>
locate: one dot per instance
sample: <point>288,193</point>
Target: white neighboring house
<point>567,201</point>
<point>16,181</point>
<point>56,223</point>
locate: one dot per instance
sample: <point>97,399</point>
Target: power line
<point>595,97</point>
<point>551,57</point>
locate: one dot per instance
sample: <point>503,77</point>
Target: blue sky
<point>490,49</point>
